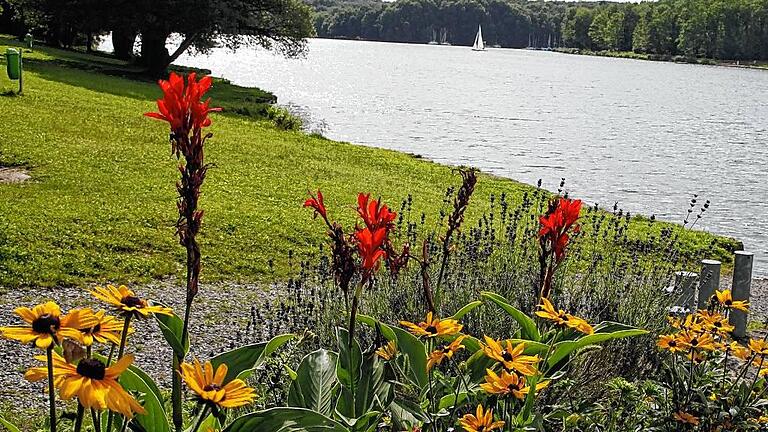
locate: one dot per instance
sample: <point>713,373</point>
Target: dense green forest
<point>719,29</point>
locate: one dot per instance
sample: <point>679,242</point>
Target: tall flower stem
<point>51,394</point>
<point>203,415</point>
<point>79,418</point>
<point>96,421</point>
<point>120,351</point>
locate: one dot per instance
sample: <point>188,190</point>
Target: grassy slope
<point>101,205</point>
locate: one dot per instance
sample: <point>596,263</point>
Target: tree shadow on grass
<point>105,74</point>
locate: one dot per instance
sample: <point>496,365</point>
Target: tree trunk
<point>123,40</point>
<point>154,54</point>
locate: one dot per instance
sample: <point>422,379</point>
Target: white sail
<point>479,45</point>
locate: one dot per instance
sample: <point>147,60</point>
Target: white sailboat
<point>479,45</point>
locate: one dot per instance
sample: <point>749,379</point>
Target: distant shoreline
<point>749,64</point>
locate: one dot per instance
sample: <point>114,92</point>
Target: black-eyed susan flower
<point>549,312</point>
<point>95,385</point>
<point>45,326</point>
<point>758,346</point>
<point>696,341</point>
<point>388,351</point>
<point>685,418</point>
<point>715,322</point>
<point>96,326</point>
<point>444,352</point>
<point>512,356</point>
<point>579,324</point>
<point>480,421</point>
<point>126,302</point>
<point>433,326</point>
<point>211,389</point>
<point>725,298</point>
<point>670,343</point>
<point>506,383</point>
<point>735,349</point>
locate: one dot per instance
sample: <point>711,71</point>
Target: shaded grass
<point>101,203</point>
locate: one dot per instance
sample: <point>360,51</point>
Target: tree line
<point>719,29</point>
<point>283,25</point>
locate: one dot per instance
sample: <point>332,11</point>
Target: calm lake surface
<point>648,135</point>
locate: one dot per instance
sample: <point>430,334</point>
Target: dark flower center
<point>212,387</point>
<point>507,356</point>
<point>91,368</point>
<point>91,330</point>
<point>513,387</point>
<point>728,302</point>
<point>46,324</point>
<point>694,342</point>
<point>672,343</point>
<point>718,324</point>
<point>132,301</point>
<point>431,329</point>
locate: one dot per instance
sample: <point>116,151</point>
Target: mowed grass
<point>101,205</point>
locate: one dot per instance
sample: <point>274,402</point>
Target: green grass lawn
<point>101,202</point>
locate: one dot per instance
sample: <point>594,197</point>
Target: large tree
<point>282,25</point>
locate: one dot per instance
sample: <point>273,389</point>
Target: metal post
<point>21,71</point>
<point>685,283</point>
<point>710,281</point>
<point>742,282</point>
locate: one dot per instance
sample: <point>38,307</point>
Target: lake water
<point>648,135</point>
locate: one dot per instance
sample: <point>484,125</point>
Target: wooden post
<point>685,284</point>
<point>710,281</point>
<point>742,282</point>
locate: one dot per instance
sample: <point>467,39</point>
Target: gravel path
<point>218,327</point>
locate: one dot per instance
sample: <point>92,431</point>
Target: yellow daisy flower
<point>388,351</point>
<point>736,350</point>
<point>758,346</point>
<point>507,383</point>
<point>95,385</point>
<point>694,341</point>
<point>715,322</point>
<point>725,298</point>
<point>433,326</point>
<point>211,389</point>
<point>670,343</point>
<point>579,324</point>
<point>549,312</point>
<point>96,326</point>
<point>126,302</point>
<point>446,351</point>
<point>480,421</point>
<point>45,326</point>
<point>512,356</point>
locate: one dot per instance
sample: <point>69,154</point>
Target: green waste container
<point>13,61</point>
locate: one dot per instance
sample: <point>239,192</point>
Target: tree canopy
<point>282,25</point>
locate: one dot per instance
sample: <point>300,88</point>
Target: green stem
<point>111,353</point>
<point>203,416</point>
<point>176,393</point>
<point>120,351</point>
<point>79,419</point>
<point>51,394</point>
<point>96,421</point>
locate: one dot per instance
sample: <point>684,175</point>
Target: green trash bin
<point>13,62</point>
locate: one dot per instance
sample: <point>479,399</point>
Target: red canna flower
<point>556,224</point>
<point>374,214</point>
<point>316,202</point>
<point>181,106</point>
<point>370,247</point>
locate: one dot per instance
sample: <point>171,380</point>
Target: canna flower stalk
<point>559,220</point>
<point>182,107</point>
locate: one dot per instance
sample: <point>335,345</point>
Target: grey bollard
<point>742,282</point>
<point>710,281</point>
<point>685,282</point>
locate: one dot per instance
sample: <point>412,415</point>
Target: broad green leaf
<point>386,330</point>
<point>409,345</point>
<point>563,349</point>
<point>528,327</point>
<point>466,309</point>
<point>285,420</point>
<point>350,360</point>
<point>370,387</point>
<point>241,361</point>
<point>449,401</point>
<point>8,425</point>
<point>172,327</point>
<point>315,384</point>
<point>406,414</point>
<point>154,420</point>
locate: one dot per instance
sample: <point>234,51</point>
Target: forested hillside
<point>720,29</point>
